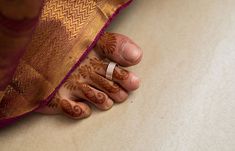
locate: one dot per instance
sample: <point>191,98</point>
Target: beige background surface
<point>187,98</point>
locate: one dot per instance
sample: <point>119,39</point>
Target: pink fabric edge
<point>6,122</point>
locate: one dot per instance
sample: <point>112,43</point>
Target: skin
<point>88,81</point>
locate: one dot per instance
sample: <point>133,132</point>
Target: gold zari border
<point>41,71</point>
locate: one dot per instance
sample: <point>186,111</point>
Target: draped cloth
<point>41,43</point>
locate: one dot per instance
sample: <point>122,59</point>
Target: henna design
<point>72,82</point>
<point>107,43</point>
<point>74,111</point>
<point>54,102</point>
<point>97,64</point>
<point>102,82</point>
<point>98,98</point>
<point>84,71</point>
<point>121,74</point>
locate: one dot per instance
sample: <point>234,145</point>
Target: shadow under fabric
<point>60,37</point>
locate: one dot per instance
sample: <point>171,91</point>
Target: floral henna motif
<point>102,82</point>
<point>74,111</point>
<point>84,71</point>
<point>121,74</point>
<point>107,43</point>
<point>73,84</point>
<point>97,64</point>
<point>54,102</point>
<point>98,98</point>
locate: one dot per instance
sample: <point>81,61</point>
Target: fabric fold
<point>66,32</point>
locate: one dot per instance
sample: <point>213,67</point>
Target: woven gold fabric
<point>65,30</point>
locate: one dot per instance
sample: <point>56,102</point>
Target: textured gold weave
<point>65,30</point>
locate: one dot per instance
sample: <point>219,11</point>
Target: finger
<point>126,79</point>
<point>113,90</point>
<point>57,105</point>
<point>75,110</point>
<point>87,92</point>
<point>119,49</point>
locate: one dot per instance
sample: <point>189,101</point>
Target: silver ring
<point>110,70</point>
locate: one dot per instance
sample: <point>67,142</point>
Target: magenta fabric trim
<point>6,122</point>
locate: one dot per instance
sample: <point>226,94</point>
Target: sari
<point>41,44</point>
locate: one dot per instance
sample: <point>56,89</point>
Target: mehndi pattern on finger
<point>121,74</point>
<point>85,71</point>
<point>106,85</point>
<point>98,98</point>
<point>97,64</point>
<point>71,110</point>
<point>54,103</point>
<point>72,83</point>
<point>107,43</point>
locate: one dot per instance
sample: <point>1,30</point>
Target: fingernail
<point>108,105</point>
<point>135,82</point>
<point>130,52</point>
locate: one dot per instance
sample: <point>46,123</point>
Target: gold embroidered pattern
<point>71,13</point>
<point>38,72</point>
<point>65,29</point>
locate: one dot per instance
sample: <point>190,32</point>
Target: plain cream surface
<point>187,98</point>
